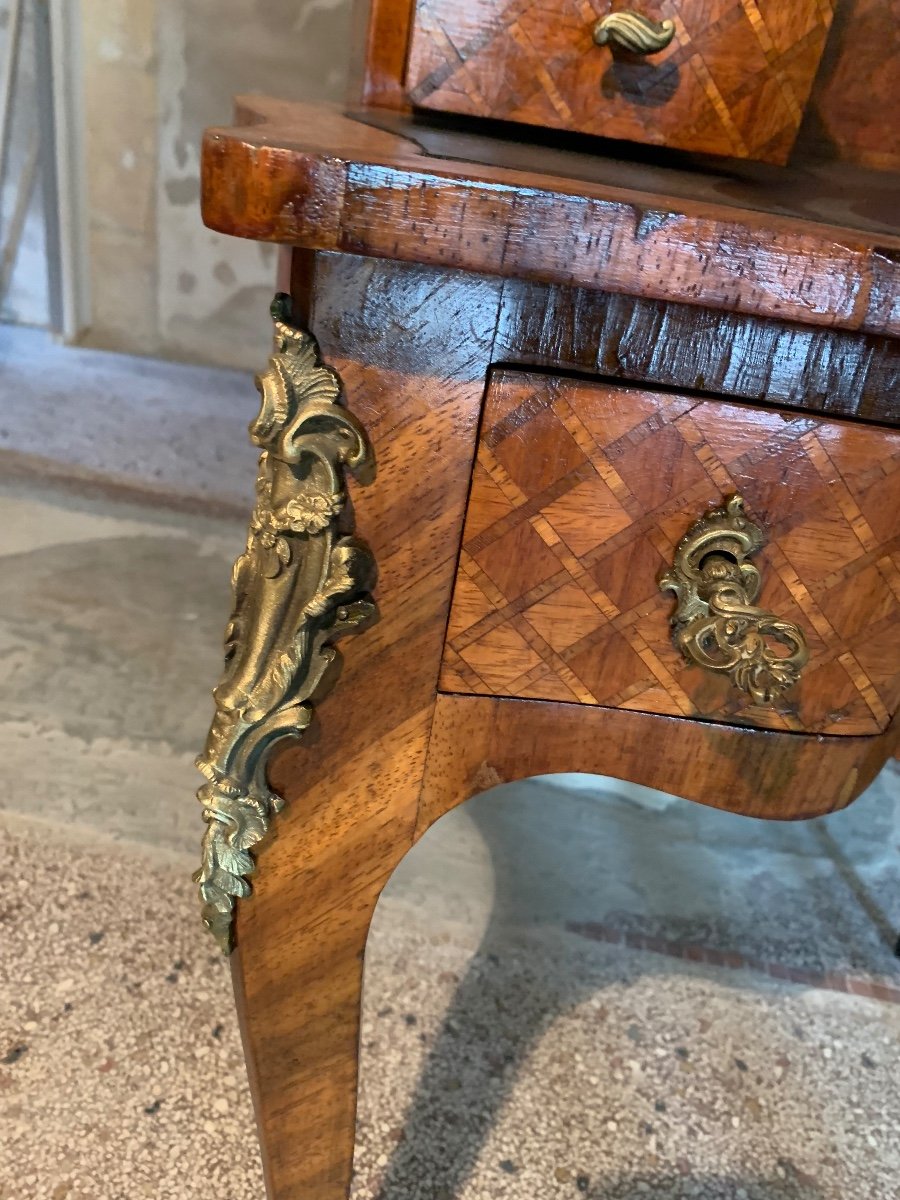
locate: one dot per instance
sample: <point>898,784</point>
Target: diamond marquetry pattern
<point>733,81</point>
<point>579,496</point>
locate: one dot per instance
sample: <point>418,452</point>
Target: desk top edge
<point>310,176</point>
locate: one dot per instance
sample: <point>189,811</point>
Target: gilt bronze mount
<point>634,32</point>
<point>716,624</point>
<point>303,582</point>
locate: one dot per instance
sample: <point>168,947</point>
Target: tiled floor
<point>573,987</point>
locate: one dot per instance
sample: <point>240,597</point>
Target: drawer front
<point>733,80</point>
<point>580,495</point>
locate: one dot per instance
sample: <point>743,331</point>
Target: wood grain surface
<point>849,116</point>
<point>478,742</point>
<point>414,345</point>
<point>733,81</point>
<point>379,61</point>
<point>312,178</point>
<point>669,344</point>
<point>579,497</point>
<point>816,186</point>
<point>419,272</point>
<point>352,785</point>
<point>680,346</point>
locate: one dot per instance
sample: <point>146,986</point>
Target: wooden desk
<point>525,389</point>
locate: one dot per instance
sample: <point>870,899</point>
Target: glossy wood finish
<point>733,81</point>
<point>297,174</point>
<point>388,754</point>
<point>849,117</point>
<point>580,494</point>
<point>382,29</point>
<point>648,341</point>
<point>418,270</point>
<point>814,187</point>
<point>667,344</point>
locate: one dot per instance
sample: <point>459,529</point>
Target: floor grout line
<point>832,981</point>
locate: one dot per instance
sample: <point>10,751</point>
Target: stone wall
<point>120,73</point>
<point>156,73</point>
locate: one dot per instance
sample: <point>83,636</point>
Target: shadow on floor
<point>505,1012</point>
<point>642,1187</point>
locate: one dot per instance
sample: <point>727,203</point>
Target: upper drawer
<point>733,80</point>
<point>581,496</point>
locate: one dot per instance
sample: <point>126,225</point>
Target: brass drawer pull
<point>715,624</point>
<point>634,32</point>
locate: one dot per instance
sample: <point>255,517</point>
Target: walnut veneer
<point>560,368</point>
<point>580,494</point>
<point>848,116</point>
<point>734,80</point>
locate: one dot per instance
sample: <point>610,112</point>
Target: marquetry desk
<point>596,456</point>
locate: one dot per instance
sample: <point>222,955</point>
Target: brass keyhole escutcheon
<point>716,624</point>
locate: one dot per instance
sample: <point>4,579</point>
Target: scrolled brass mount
<point>303,582</point>
<point>716,624</point>
<point>634,32</point>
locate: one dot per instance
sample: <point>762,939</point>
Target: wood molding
<point>308,176</point>
<point>478,742</point>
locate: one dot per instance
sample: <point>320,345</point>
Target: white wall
<point>156,73</point>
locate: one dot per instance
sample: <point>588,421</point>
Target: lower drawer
<point>580,496</point>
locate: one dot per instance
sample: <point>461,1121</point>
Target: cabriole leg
<point>345,780</point>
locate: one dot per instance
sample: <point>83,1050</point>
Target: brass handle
<point>715,623</point>
<point>634,32</point>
